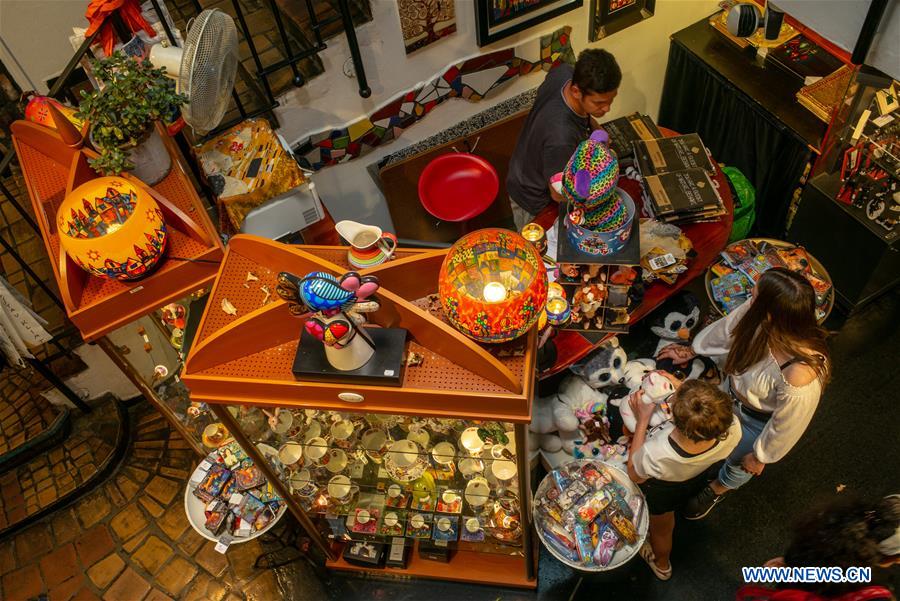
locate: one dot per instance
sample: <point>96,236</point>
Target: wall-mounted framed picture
<point>609,16</point>
<point>496,19</point>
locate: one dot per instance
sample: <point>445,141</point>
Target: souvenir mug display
<point>369,476</point>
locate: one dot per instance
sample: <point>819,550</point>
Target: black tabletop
<point>766,85</point>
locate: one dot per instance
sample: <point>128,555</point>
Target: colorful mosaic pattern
<point>483,257</point>
<point>471,79</point>
<point>111,229</point>
<point>425,21</point>
<point>589,183</point>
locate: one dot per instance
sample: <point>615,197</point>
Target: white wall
<point>332,99</point>
<point>840,21</point>
<point>37,33</point>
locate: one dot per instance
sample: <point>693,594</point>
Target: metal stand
<point>114,353</point>
<point>221,412</point>
<point>59,384</point>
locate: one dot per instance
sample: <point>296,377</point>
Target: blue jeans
<point>732,475</point>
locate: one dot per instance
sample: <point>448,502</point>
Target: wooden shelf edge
<point>489,569</point>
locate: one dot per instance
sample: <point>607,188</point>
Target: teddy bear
<point>656,389</point>
<point>554,422</point>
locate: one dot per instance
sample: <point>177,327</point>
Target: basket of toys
<point>729,280</point>
<point>590,515</point>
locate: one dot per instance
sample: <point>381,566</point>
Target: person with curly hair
<point>843,534</point>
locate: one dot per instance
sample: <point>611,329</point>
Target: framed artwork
<point>609,16</point>
<point>425,21</point>
<point>497,19</point>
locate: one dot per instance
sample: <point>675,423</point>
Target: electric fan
<point>204,69</point>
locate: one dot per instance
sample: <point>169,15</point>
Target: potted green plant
<point>123,114</point>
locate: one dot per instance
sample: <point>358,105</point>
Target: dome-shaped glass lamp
<point>112,228</point>
<point>493,285</point>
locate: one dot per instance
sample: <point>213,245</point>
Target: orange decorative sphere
<point>112,228</point>
<point>493,285</point>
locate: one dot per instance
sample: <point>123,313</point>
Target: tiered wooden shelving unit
<point>246,359</point>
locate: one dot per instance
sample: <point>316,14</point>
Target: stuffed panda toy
<point>674,323</point>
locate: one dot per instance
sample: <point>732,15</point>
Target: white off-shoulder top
<point>763,388</point>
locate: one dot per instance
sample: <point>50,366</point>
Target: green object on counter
<point>744,203</point>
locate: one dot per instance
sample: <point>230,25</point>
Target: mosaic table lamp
<point>112,228</point>
<point>493,285</point>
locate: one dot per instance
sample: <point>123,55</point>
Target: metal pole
<point>234,428</point>
<point>19,208</point>
<point>524,470</point>
<point>51,377</point>
<point>114,353</point>
<point>364,90</point>
<point>248,37</point>
<point>27,269</point>
<point>868,31</point>
<point>298,77</point>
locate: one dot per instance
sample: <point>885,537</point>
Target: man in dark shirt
<point>558,122</point>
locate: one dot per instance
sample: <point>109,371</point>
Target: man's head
<point>701,411</point>
<point>595,82</point>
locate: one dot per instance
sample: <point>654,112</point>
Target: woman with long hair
<point>775,361</point>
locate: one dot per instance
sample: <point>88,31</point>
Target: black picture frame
<point>607,17</point>
<point>489,29</point>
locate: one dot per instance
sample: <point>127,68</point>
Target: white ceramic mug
<point>341,489</point>
<point>290,453</point>
<point>316,448</point>
<point>478,491</point>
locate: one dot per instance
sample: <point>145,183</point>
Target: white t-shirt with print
<point>658,457</point>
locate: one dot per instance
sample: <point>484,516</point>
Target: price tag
<point>660,262</point>
<point>236,498</point>
<point>223,544</point>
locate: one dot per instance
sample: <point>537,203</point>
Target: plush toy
<point>635,370</point>
<point>656,390</point>
<point>555,422</point>
<point>674,323</point>
<point>604,367</point>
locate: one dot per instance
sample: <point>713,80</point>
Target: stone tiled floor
<point>42,481</point>
<point>24,413</point>
<point>130,540</point>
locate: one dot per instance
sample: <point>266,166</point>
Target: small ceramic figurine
<point>338,306</point>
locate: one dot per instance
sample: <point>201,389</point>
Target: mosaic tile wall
<point>471,79</point>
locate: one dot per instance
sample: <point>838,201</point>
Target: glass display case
<point>400,492</point>
<point>854,189</point>
<point>430,476</point>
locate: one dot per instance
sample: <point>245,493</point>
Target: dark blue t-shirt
<point>550,135</point>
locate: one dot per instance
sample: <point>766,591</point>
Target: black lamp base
<point>385,368</point>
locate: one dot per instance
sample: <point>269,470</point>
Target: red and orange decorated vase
<point>493,285</point>
<point>112,228</point>
<point>36,111</point>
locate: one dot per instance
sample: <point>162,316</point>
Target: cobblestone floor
<point>130,540</point>
<point>31,487</point>
<point>24,413</point>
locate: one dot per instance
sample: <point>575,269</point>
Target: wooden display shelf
<point>247,358</point>
<point>96,305</point>
<point>464,566</point>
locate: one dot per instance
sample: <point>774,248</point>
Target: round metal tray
<point>623,555</point>
<point>817,267</point>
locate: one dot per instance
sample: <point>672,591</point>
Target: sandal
<point>647,555</point>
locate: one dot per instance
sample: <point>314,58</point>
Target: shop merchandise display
<point>590,516</point>
<point>369,245</point>
<point>625,130</point>
<point>601,296</point>
<point>228,496</point>
<point>375,477</point>
<point>730,280</point>
<point>666,251</point>
<point>112,228</point>
<point>598,215</point>
<point>493,285</point>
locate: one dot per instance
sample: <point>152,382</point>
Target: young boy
<point>669,461</point>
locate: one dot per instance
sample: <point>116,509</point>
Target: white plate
<point>195,509</point>
<point>623,555</point>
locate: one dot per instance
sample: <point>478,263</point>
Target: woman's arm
<point>796,406</point>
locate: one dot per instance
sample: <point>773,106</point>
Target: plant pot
<point>152,162</point>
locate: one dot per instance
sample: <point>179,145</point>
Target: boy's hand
<point>642,411</point>
<point>678,353</point>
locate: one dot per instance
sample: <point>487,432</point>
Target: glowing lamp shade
<point>493,285</point>
<point>112,228</point>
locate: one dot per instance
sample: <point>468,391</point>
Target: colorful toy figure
<point>338,305</point>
